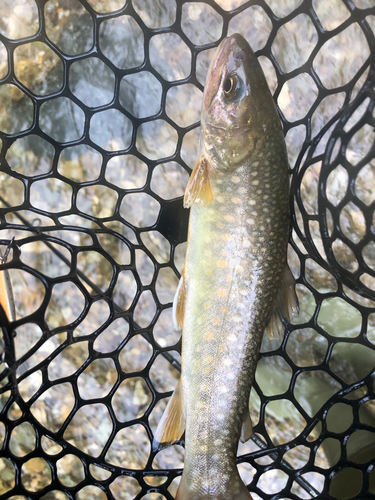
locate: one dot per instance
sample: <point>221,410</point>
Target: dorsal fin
<point>198,189</point>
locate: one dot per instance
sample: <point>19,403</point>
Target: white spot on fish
<point>223,389</point>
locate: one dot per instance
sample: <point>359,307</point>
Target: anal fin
<point>172,424</point>
<point>286,306</point>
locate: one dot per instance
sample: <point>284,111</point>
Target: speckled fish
<point>236,282</point>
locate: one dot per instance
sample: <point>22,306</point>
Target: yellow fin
<point>178,311</point>
<point>198,189</point>
<point>172,424</point>
<point>247,426</point>
<point>286,306</point>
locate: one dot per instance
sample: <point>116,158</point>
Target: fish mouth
<point>231,53</point>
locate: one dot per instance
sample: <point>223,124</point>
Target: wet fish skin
<point>235,281</point>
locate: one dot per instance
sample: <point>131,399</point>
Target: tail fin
<point>236,492</point>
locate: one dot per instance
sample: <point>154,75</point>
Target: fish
<point>236,283</point>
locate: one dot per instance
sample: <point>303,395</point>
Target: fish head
<point>237,104</point>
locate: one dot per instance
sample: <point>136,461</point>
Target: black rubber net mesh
<point>99,124</point>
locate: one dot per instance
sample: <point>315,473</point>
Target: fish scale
<point>235,281</point>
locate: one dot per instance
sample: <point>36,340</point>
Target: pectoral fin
<point>286,306</point>
<point>178,311</point>
<point>247,426</point>
<point>198,189</point>
<point>172,424</point>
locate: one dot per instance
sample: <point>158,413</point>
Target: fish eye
<point>232,87</point>
<point>228,85</point>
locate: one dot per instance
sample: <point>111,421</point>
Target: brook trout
<point>236,282</point>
